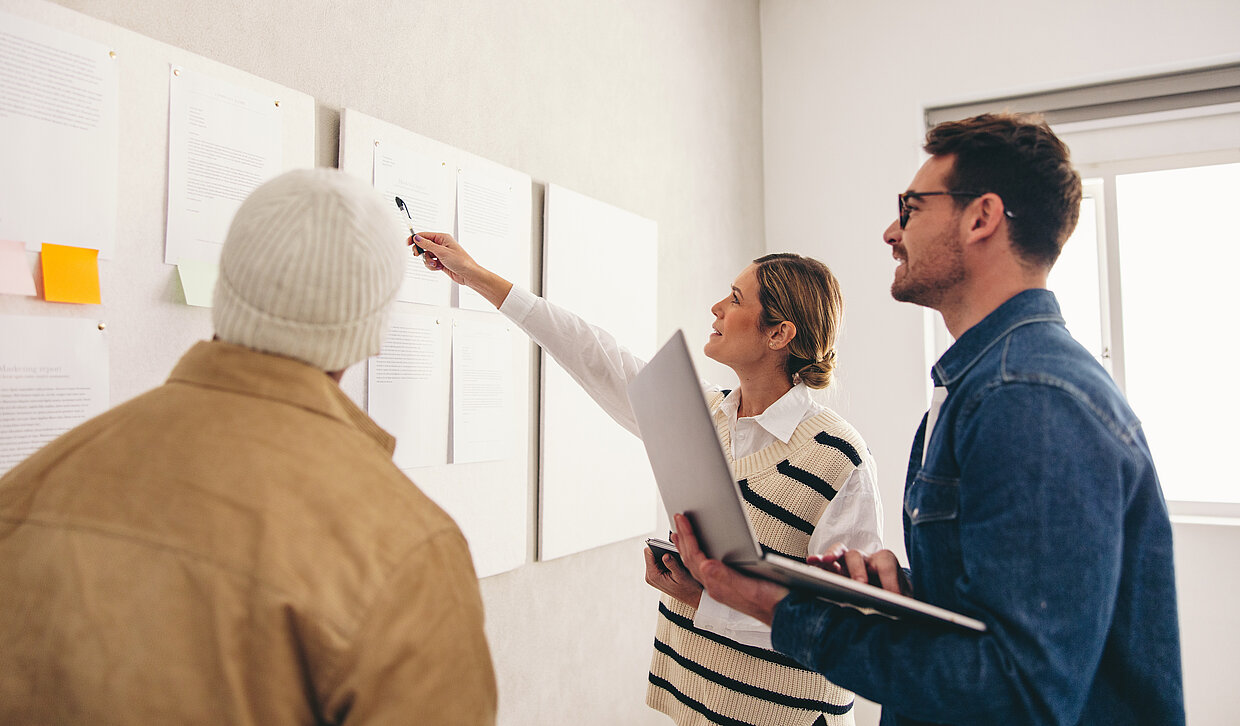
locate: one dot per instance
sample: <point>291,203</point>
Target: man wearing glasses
<point>1031,501</point>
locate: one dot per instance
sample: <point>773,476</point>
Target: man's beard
<point>941,270</point>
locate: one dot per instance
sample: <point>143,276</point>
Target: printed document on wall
<point>428,188</point>
<point>56,379</point>
<point>407,392</point>
<point>223,141</point>
<point>486,210</point>
<point>482,391</point>
<point>58,138</point>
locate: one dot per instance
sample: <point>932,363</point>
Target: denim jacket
<point>1037,511</point>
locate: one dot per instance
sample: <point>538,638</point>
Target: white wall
<point>649,105</point>
<point>844,85</point>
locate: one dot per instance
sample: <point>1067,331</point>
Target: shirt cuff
<point>518,304</point>
<point>720,619</point>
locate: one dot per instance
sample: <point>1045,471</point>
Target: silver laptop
<point>694,477</point>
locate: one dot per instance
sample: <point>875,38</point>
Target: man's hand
<point>672,579</point>
<point>749,595</point>
<point>880,569</point>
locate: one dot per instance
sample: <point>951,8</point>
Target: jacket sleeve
<point>421,656</point>
<point>1038,557</point>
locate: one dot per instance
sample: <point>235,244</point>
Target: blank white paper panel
<point>149,325</point>
<point>596,485</point>
<point>490,500</point>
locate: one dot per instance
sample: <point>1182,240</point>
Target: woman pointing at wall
<point>808,480</point>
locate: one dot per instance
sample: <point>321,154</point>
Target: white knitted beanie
<point>310,268</point>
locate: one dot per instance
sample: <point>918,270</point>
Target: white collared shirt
<point>603,368</point>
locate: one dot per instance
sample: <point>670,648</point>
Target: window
<point>1179,257</point>
<point>1163,325</point>
<point>1076,279</point>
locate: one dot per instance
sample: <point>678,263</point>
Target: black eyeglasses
<point>905,211</point>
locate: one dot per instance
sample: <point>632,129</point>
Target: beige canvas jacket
<point>234,547</point>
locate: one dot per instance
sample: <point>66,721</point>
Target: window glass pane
<point>1074,280</point>
<point>1179,255</point>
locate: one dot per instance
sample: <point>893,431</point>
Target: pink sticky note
<point>15,277</point>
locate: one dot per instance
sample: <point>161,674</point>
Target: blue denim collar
<point>1028,306</point>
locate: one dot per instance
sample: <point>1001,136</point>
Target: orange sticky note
<point>70,274</point>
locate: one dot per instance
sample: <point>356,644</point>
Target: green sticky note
<point>198,281</point>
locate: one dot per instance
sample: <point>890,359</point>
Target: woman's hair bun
<point>817,374</point>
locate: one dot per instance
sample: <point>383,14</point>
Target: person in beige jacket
<point>236,546</point>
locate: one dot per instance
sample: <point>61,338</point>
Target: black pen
<point>416,249</point>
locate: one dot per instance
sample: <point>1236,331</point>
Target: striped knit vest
<point>699,677</point>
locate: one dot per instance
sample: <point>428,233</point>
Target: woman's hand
<point>446,254</point>
<point>672,579</point>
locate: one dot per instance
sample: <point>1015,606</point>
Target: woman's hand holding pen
<point>442,252</point>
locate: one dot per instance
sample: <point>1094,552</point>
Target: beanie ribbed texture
<point>309,270</point>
